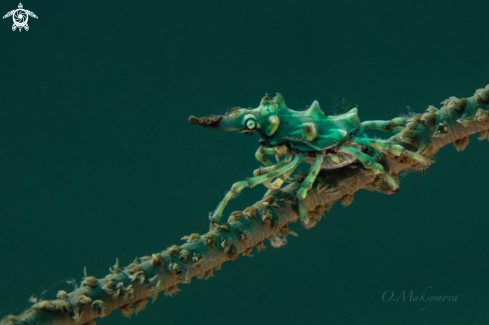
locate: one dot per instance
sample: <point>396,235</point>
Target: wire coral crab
<point>310,136</point>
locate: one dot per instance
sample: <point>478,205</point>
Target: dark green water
<point>98,160</point>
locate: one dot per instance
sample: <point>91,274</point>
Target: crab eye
<point>250,124</point>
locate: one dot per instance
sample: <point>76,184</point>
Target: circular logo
<point>20,17</point>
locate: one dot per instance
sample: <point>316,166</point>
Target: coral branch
<point>128,289</point>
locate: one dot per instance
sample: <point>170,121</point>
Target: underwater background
<point>98,159</point>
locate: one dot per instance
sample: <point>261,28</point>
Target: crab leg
<point>266,170</point>
<point>387,146</point>
<point>261,156</point>
<point>310,178</point>
<point>307,185</point>
<point>276,184</point>
<point>384,125</point>
<point>277,151</point>
<point>252,182</point>
<point>370,163</point>
<point>282,151</point>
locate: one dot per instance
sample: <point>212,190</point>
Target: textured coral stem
<point>268,218</point>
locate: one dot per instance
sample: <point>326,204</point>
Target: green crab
<point>320,140</point>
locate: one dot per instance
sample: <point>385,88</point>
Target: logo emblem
<point>20,17</point>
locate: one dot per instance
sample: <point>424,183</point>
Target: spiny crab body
<point>323,141</point>
<point>307,131</point>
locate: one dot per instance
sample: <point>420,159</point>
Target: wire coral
<point>128,288</point>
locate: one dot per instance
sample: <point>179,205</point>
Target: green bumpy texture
<point>308,130</point>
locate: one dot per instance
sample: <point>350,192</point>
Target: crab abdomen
<point>333,160</point>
